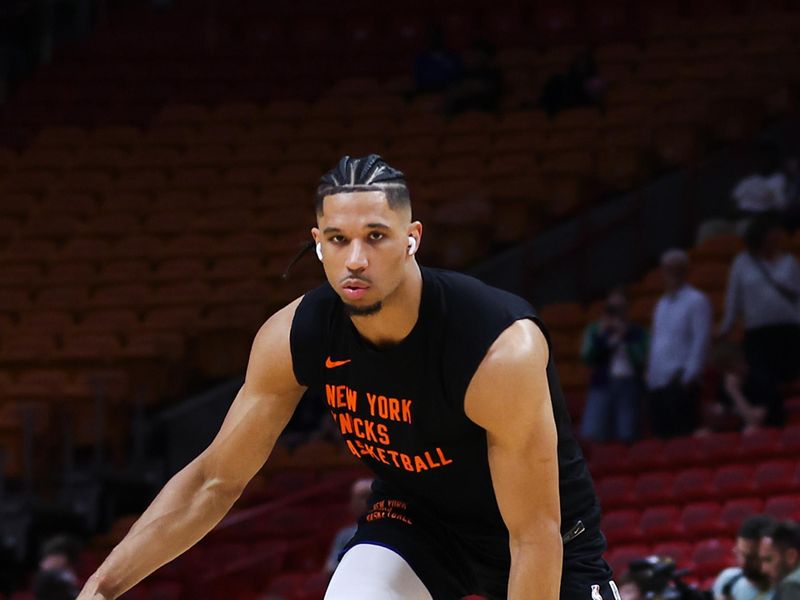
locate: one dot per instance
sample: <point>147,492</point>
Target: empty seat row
<point>711,450</point>
<point>700,483</point>
<point>694,521</point>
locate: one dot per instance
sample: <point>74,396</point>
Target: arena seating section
<point>153,189</point>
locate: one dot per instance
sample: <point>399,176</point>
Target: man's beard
<point>754,575</point>
<point>363,311</point>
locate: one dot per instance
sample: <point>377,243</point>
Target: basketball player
<point>442,385</point>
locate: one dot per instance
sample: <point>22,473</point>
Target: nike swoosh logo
<point>332,364</point>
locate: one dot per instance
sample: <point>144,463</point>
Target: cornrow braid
<point>366,174</point>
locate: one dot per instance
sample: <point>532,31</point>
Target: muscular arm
<point>510,398</point>
<point>198,496</point>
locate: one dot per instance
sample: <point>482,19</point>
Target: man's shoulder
<point>471,294</point>
<point>316,302</point>
<point>696,297</point>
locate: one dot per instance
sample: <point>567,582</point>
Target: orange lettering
<point>406,408</point>
<point>353,450</point>
<point>330,394</point>
<point>369,450</point>
<point>351,399</point>
<point>406,459</point>
<point>420,464</point>
<point>445,461</point>
<point>383,434</point>
<point>394,454</point>
<point>431,462</point>
<point>369,430</point>
<point>340,396</point>
<point>383,407</point>
<point>394,409</point>
<point>345,423</point>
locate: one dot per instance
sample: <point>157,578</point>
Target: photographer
<point>746,581</point>
<point>657,578</point>
<point>616,350</point>
<point>56,578</point>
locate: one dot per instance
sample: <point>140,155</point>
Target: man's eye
<point>337,239</point>
<point>375,236</point>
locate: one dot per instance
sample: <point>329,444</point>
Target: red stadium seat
<point>775,477</point>
<point>180,269</point>
<point>118,320</point>
<point>790,440</point>
<point>621,556</point>
<point>647,455</point>
<point>661,523</point>
<point>680,552</point>
<point>47,320</point>
<point>702,519</point>
<point>719,448</point>
<point>694,484</point>
<point>711,556</point>
<point>72,297</point>
<point>654,488</point>
<point>757,445</point>
<point>783,507</point>
<point>735,511</point>
<point>90,347</point>
<point>735,480</point>
<point>616,492</point>
<point>609,459</point>
<point>130,295</point>
<point>80,272</point>
<point>123,271</point>
<point>622,526</point>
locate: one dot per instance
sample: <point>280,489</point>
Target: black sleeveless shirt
<point>401,408</point>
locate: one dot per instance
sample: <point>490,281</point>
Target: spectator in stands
<point>57,578</point>
<point>579,86</point>
<point>746,581</point>
<point>436,68</point>
<point>764,287</point>
<point>773,189</point>
<point>680,335</point>
<point>749,393</point>
<point>616,349</point>
<point>359,495</point>
<point>480,86</point>
<point>780,559</point>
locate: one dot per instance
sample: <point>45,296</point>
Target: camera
<point>659,579</point>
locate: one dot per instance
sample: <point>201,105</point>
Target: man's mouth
<point>354,289</point>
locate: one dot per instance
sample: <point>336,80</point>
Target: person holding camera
<point>746,581</point>
<point>616,350</point>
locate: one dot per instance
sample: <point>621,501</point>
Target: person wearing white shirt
<point>764,289</point>
<point>680,338</point>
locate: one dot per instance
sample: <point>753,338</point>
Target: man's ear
<point>793,557</point>
<point>315,233</point>
<point>415,231</point>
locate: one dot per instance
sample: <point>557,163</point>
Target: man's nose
<point>356,257</point>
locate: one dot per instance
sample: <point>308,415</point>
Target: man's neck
<point>397,316</point>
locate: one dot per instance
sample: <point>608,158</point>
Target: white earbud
<point>412,245</point>
<point>318,248</point>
